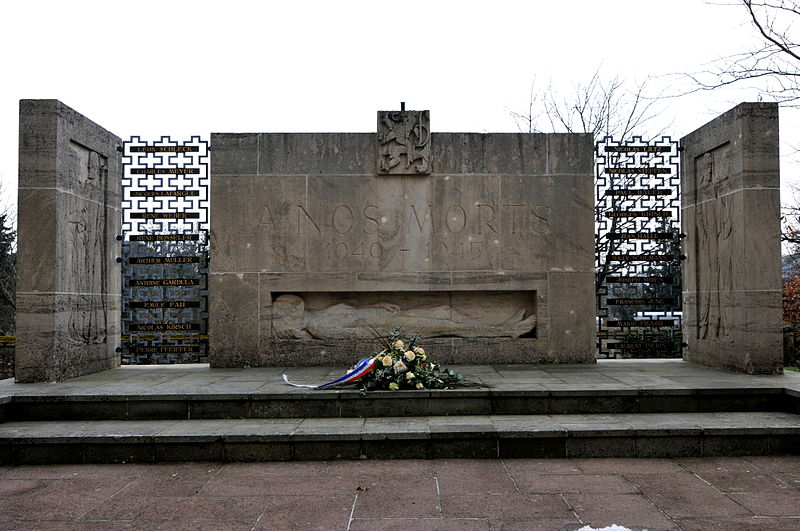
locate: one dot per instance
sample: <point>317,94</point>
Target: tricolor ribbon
<point>363,366</point>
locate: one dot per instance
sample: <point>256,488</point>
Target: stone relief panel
<point>431,314</point>
<point>86,168</point>
<point>404,143</point>
<point>715,214</point>
<point>85,250</point>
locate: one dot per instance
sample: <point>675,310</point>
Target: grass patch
<point>793,369</point>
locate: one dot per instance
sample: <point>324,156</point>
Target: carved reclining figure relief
<point>291,320</point>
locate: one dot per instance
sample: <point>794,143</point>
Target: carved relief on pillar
<point>404,142</point>
<point>713,244</point>
<point>85,250</point>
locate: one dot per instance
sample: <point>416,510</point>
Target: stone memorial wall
<point>481,243</point>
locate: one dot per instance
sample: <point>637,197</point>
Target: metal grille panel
<point>638,256</point>
<point>165,251</point>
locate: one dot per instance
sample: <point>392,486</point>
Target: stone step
<point>471,436</point>
<point>299,404</point>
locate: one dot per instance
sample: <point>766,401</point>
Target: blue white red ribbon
<point>363,366</point>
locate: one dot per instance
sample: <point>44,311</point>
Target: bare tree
<point>8,273</point>
<point>773,63</point>
<point>602,107</point>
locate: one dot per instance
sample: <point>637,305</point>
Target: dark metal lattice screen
<point>638,255</point>
<point>165,208</point>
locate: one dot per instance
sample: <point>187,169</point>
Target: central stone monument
<point>481,243</point>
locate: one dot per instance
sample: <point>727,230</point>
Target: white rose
<point>410,376</point>
<point>399,345</point>
<point>420,386</point>
<point>419,350</point>
<point>399,366</point>
<point>409,356</point>
<point>386,361</point>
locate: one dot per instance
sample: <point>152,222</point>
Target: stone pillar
<point>68,284</point>
<point>731,218</point>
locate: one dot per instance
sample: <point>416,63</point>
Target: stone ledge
<point>664,435</point>
<point>345,404</point>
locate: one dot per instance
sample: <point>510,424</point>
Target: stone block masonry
<point>731,216</point>
<point>489,257</point>
<point>69,213</point>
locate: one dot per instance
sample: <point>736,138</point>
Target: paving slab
<point>601,510</point>
<point>391,494</point>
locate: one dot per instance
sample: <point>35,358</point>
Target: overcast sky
<point>182,68</point>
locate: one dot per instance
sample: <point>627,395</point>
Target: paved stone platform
<point>730,494</point>
<point>606,375</point>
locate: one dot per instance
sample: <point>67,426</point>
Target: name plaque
<point>642,257</point>
<point>165,215</point>
<point>654,301</point>
<point>644,323</point>
<point>636,192</point>
<point>164,237</point>
<point>164,282</point>
<point>164,149</point>
<point>164,327</point>
<point>630,279</point>
<point>641,345</point>
<point>136,260</point>
<point>639,214</point>
<point>638,171</point>
<point>157,305</point>
<point>165,193</point>
<point>165,171</point>
<point>165,349</point>
<point>638,149</point>
<point>641,236</point>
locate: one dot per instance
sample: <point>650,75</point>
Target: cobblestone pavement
<point>732,493</point>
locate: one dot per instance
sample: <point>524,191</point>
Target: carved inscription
<point>404,142</point>
<point>345,232</point>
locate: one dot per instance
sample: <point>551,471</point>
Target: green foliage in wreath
<point>403,364</point>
